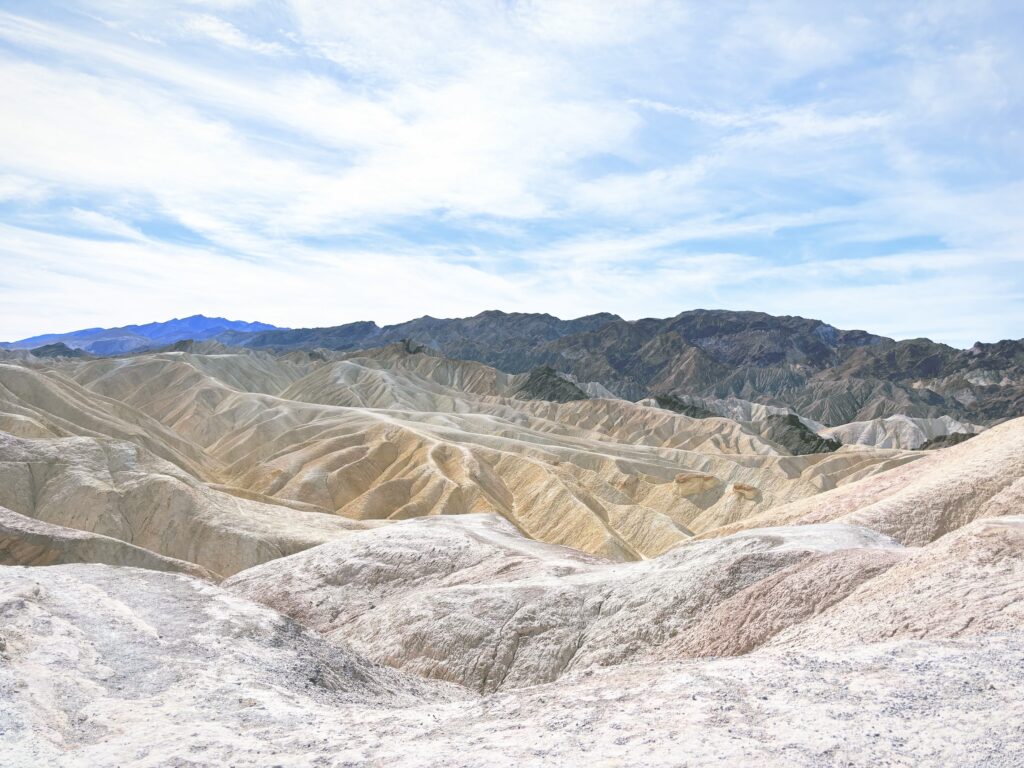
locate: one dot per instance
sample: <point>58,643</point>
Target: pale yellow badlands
<point>393,435</point>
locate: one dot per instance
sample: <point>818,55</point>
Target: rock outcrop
<point>467,600</point>
<point>25,541</point>
<point>107,667</point>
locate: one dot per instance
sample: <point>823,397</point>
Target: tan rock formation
<point>24,541</point>
<point>922,501</point>
<point>121,491</point>
<point>853,607</point>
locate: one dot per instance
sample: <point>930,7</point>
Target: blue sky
<point>312,163</point>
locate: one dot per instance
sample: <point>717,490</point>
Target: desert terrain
<point>299,555</point>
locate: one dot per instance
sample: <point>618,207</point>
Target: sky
<point>311,163</point>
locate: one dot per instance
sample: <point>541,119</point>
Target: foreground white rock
<point>469,600</point>
<point>107,666</point>
<point>94,656</point>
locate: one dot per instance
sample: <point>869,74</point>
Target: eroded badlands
<point>391,557</point>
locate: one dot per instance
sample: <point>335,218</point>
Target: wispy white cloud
<point>22,189</point>
<point>792,124</point>
<point>226,33</point>
<point>150,278</point>
<point>102,225</point>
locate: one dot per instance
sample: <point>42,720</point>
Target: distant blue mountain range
<point>129,338</point>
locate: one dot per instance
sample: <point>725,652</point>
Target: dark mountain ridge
<point>823,372</point>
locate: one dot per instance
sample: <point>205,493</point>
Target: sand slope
<point>469,601</point>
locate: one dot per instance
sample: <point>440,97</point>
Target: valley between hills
<point>722,538</point>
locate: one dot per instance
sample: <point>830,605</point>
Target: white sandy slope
<point>468,600</point>
<point>26,541</point>
<point>122,667</point>
<point>898,431</point>
<point>969,582</point>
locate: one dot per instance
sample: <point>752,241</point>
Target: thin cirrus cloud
<point>226,33</point>
<point>308,163</point>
